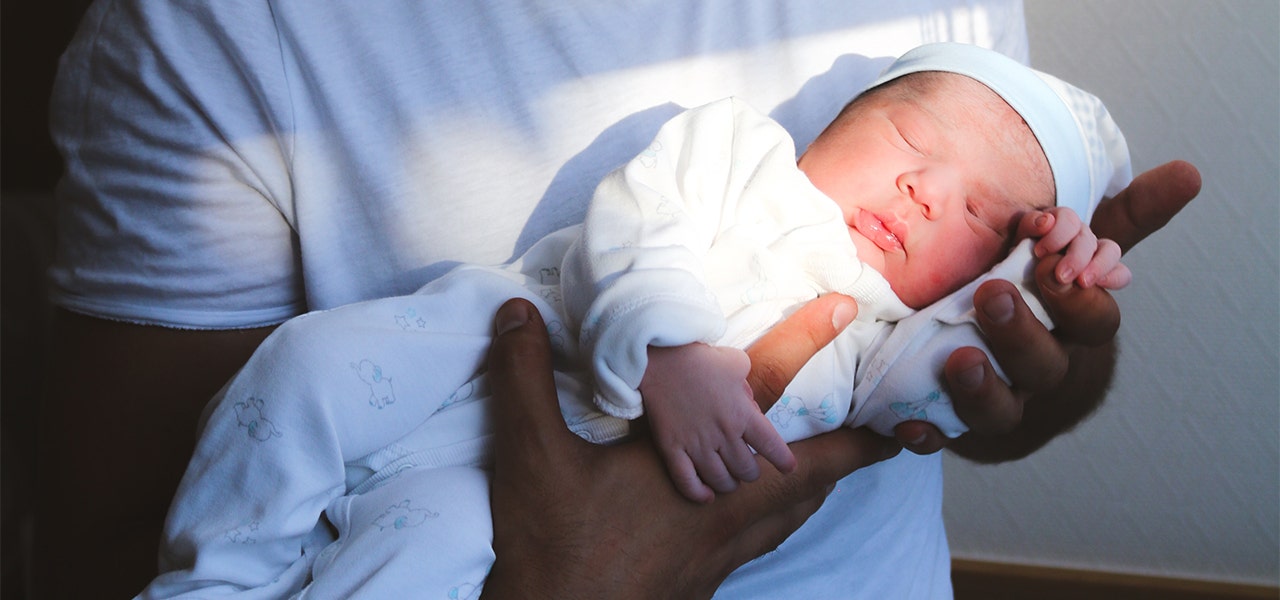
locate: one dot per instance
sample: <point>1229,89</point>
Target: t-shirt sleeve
<point>174,208</point>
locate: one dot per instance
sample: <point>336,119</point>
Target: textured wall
<point>1178,474</point>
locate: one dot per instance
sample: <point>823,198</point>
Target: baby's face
<point>931,184</point>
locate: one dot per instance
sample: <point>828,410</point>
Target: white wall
<point>1179,473</point>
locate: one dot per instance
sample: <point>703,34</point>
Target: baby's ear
<point>1034,224</point>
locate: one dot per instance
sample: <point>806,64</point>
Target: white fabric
<point>235,163</point>
<point>379,393</point>
<point>711,235</point>
<point>892,385</point>
<point>1073,127</point>
<point>379,427</point>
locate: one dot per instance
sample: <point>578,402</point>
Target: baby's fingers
<point>769,444</point>
<point>1105,269</point>
<point>740,462</point>
<point>1066,227</point>
<point>1034,224</point>
<point>1118,278</point>
<point>1079,254</point>
<point>713,471</point>
<point>685,476</point>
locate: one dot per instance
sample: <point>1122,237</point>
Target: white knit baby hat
<point>1074,129</point>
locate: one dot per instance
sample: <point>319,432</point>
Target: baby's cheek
<point>941,284</point>
<point>937,284</point>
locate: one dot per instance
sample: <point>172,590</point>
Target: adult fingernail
<point>1041,221</point>
<point>971,378</point>
<point>511,316</point>
<point>842,316</point>
<point>999,308</point>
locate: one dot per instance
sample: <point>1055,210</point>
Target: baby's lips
<point>874,229</point>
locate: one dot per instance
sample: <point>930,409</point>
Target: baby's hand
<point>705,419</point>
<point>1088,260</point>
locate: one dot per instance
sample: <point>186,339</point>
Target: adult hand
<point>1066,372</point>
<point>576,520</point>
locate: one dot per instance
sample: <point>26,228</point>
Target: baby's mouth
<point>874,229</point>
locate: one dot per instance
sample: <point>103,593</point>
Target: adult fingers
<point>1031,357</point>
<point>778,355</point>
<point>776,506</point>
<point>920,437</point>
<point>1088,316</point>
<point>1147,204</point>
<point>824,459</point>
<point>981,399</point>
<point>528,426</point>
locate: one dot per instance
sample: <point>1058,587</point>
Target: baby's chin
<point>919,294</point>
<point>914,294</point>
<point>915,302</point>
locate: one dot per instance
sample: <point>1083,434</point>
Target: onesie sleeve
<point>637,276</point>
<point>173,120</point>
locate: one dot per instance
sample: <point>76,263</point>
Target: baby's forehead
<point>1002,128</point>
<point>1087,151</point>
<point>937,87</point>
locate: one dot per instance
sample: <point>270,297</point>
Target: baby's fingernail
<point>511,316</point>
<point>999,309</point>
<point>1065,274</point>
<point>971,378</point>
<point>842,316</point>
<point>1086,280</point>
<point>1053,285</point>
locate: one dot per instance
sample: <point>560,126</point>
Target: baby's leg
<point>322,392</point>
<point>425,533</point>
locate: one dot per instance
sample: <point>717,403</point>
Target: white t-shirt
<point>235,163</point>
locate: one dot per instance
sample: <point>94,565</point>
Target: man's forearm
<point>1049,414</point>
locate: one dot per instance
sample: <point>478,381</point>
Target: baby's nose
<point>926,192</point>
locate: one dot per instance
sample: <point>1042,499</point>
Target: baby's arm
<point>1088,260</point>
<point>705,419</point>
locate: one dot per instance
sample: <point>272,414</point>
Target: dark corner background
<point>32,37</point>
